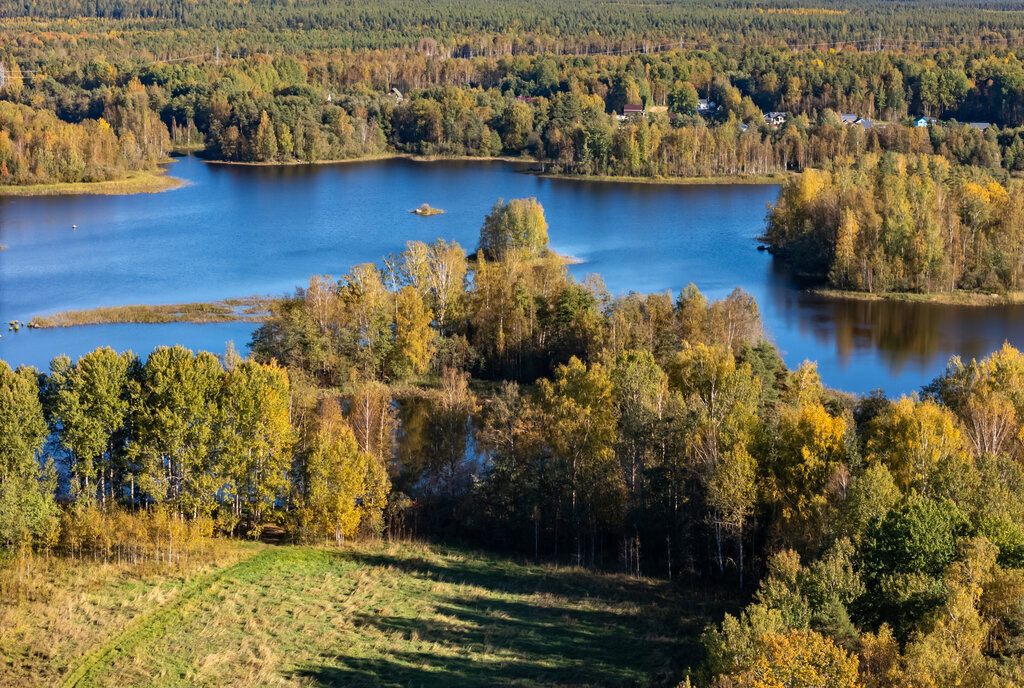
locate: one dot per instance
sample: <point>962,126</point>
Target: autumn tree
<point>720,401</point>
<point>579,418</point>
<point>341,486</point>
<point>257,440</point>
<point>795,659</point>
<point>517,226</point>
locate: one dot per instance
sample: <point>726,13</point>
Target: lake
<point>239,230</point>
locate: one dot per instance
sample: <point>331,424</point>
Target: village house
<point>775,119</point>
<point>630,111</point>
<point>705,106</point>
<point>856,120</point>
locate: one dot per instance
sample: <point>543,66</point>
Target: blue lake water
<point>238,231</point>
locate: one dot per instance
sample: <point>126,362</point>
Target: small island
<point>426,211</point>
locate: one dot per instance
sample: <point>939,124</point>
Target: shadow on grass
<point>583,629</point>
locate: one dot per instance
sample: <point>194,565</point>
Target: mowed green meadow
<point>372,615</point>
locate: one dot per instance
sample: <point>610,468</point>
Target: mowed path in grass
<point>407,615</point>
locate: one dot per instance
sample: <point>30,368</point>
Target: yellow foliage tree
<point>796,659</point>
<point>914,439</point>
<point>413,347</point>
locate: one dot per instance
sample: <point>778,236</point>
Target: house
<point>705,105</point>
<point>396,94</point>
<point>631,111</point>
<point>775,119</point>
<point>924,121</point>
<point>743,127</point>
<point>980,126</point>
<point>856,120</point>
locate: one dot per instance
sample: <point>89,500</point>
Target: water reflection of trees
<point>429,436</point>
<point>909,333</point>
<point>902,333</point>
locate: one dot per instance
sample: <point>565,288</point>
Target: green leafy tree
<point>90,404</point>
<point>256,440</point>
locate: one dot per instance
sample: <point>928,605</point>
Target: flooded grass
<point>945,298</point>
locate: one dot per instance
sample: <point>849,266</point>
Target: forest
<point>563,111</point>
<point>896,223</point>
<point>516,25</point>
<point>441,452</point>
<point>487,397</point>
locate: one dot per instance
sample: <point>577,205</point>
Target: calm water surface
<point>237,231</point>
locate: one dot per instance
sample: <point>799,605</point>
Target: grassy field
<point>67,609</point>
<point>252,308</point>
<point>135,182</point>
<point>372,615</point>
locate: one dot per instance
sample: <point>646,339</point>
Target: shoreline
<point>371,158</point>
<point>953,298</point>
<point>753,179</point>
<point>159,181</point>
<point>149,181</point>
<point>247,309</point>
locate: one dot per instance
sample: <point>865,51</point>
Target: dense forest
<point>478,27</point>
<point>490,398</point>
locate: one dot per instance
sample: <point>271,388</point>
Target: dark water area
<point>238,231</point>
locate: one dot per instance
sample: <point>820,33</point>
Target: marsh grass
<point>252,308</point>
<point>147,181</point>
<point>397,615</point>
<point>957,297</point>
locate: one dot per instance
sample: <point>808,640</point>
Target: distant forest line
<point>74,113</point>
<point>591,26</point>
